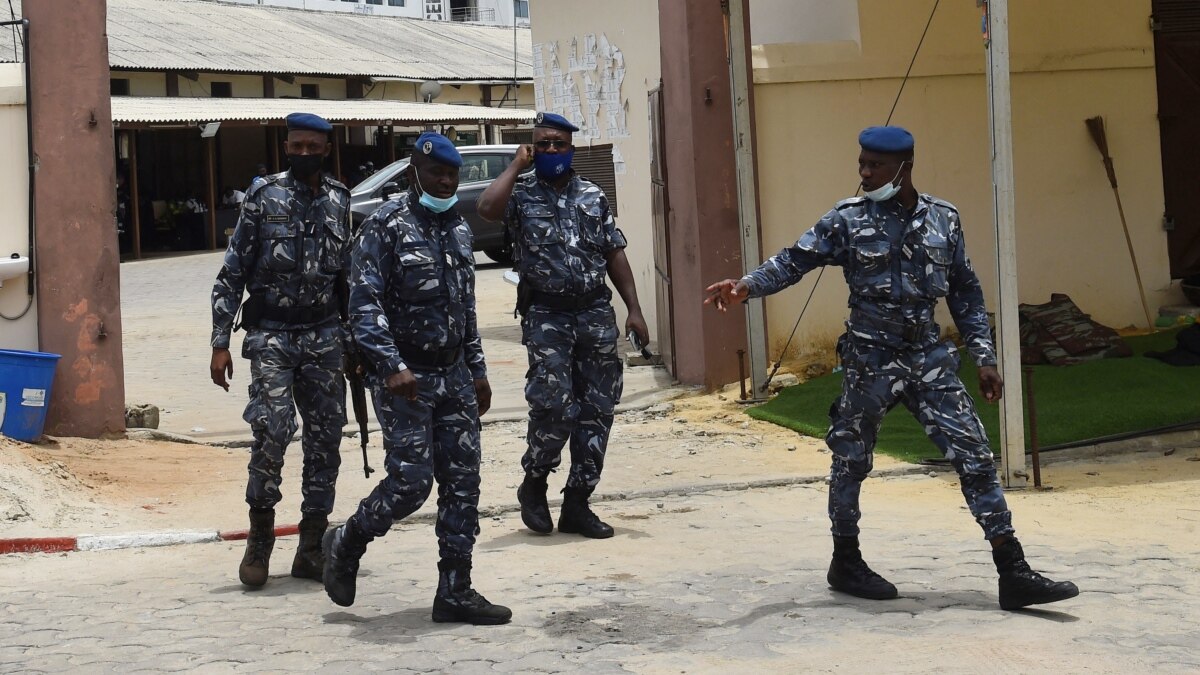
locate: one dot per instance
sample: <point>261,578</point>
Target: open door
<point>1177,63</point>
<point>662,236</point>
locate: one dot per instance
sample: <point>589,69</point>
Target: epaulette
<point>847,203</point>
<point>940,202</point>
<point>336,183</point>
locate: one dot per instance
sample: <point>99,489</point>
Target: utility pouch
<point>252,311</point>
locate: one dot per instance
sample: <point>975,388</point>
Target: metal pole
<point>211,151</point>
<point>1012,425</point>
<point>743,123</point>
<point>135,194</point>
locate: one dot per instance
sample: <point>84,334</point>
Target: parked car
<point>481,165</point>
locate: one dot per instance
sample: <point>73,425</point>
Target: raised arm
<point>494,201</point>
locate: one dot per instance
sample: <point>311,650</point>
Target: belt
<point>300,315</point>
<point>908,331</point>
<point>570,302</point>
<point>425,358</point>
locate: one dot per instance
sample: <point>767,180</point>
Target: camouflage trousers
<point>573,385</point>
<point>294,371</point>
<point>433,437</point>
<point>926,382</point>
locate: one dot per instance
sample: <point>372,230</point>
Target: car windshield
<point>380,177</point>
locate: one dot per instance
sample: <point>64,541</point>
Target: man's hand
<point>402,384</point>
<point>991,385</point>
<point>220,368</point>
<point>483,394</point>
<point>524,158</point>
<point>725,293</point>
<point>637,323</point>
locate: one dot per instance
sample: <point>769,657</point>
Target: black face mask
<point>305,166</point>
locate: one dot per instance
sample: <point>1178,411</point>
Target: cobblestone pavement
<point>721,581</point>
<point>167,323</point>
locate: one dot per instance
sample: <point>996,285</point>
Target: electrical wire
<point>821,272</point>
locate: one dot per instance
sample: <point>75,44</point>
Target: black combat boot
<point>535,512</point>
<point>577,516</point>
<point>343,546</point>
<point>259,542</point>
<point>849,573</point>
<point>310,562</point>
<point>1020,586</point>
<point>457,602</point>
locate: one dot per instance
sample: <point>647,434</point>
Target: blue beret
<point>886,139</point>
<point>552,121</point>
<point>438,148</point>
<point>307,122</point>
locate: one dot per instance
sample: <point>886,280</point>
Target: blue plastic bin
<point>25,379</point>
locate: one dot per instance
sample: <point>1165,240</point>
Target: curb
<point>110,542</point>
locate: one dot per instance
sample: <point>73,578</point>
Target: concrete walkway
<point>167,320</point>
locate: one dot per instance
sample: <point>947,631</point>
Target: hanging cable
<point>820,272</point>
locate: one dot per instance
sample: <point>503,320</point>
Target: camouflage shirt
<point>289,245</point>
<point>562,239</point>
<point>413,283</point>
<point>897,266</point>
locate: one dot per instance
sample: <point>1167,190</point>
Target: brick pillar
<point>78,263</point>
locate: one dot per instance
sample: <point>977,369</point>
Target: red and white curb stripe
<point>108,542</point>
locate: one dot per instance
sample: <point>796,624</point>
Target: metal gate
<point>662,236</point>
<point>1177,63</point>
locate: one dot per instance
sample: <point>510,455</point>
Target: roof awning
<point>146,111</point>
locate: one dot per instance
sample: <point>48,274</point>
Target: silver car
<point>481,165</point>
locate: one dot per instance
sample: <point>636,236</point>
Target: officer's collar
<point>550,185</point>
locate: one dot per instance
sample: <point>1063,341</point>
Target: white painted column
<point>1012,419</point>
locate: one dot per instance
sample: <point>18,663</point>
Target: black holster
<point>524,298</point>
<point>252,311</point>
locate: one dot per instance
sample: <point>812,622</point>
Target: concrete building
<point>824,70</point>
<point>490,12</point>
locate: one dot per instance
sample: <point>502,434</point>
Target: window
<point>221,89</point>
<point>395,3</point>
<point>482,167</point>
<point>374,2</point>
<point>118,86</point>
<point>310,91</point>
<point>521,9</point>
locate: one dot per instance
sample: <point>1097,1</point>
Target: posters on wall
<point>588,91</point>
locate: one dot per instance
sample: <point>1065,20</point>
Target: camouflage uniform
<point>412,297</point>
<point>574,379</point>
<point>290,248</point>
<point>897,265</point>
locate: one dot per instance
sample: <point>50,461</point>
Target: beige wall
<point>1069,63</point>
<point>14,224</point>
<point>632,27</point>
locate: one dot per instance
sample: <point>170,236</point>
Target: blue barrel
<point>25,379</point>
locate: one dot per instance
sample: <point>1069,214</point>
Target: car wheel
<point>501,255</point>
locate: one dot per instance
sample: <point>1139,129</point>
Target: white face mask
<point>887,190</point>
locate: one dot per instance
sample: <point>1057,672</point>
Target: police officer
<point>413,315</point>
<point>566,242</point>
<point>901,251</point>
<point>288,252</point>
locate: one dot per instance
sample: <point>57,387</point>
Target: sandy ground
<point>71,486</point>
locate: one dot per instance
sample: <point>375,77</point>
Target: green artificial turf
<point>1074,403</point>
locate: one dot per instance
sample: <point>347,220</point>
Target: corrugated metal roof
<point>168,110</point>
<point>210,36</point>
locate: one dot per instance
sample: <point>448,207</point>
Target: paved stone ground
<point>722,581</point>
